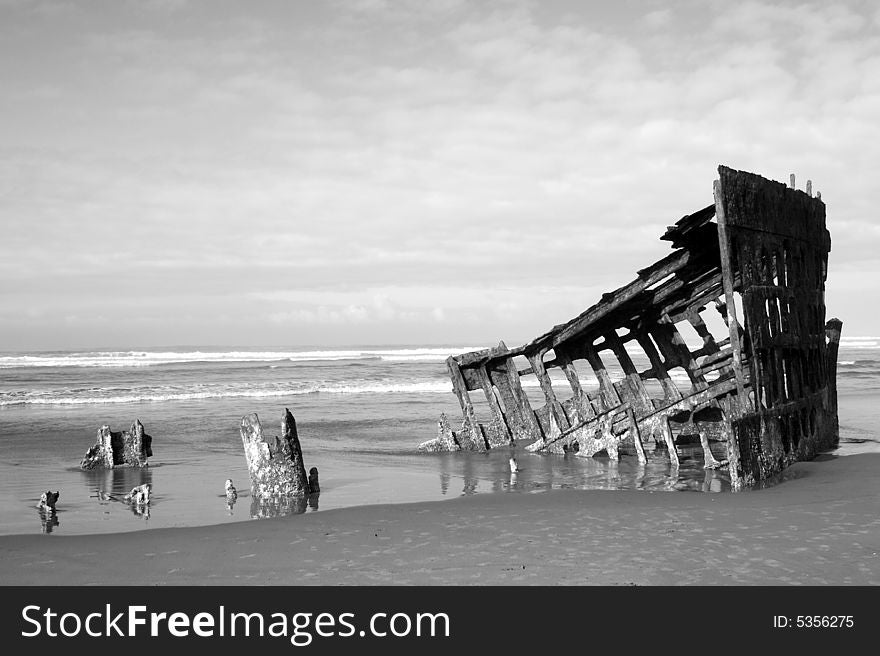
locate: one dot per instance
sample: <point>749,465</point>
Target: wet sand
<point>820,527</point>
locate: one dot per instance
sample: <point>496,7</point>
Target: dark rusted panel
<point>778,249</point>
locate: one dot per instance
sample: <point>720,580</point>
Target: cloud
<point>381,309</point>
<point>470,161</point>
<point>658,18</point>
<point>162,6</point>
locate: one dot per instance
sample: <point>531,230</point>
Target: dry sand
<point>821,527</point>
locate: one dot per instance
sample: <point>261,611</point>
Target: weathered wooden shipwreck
<point>765,388</point>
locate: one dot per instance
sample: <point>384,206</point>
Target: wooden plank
<point>669,388</point>
<point>702,329</point>
<point>641,400</point>
<point>647,277</point>
<point>717,356</point>
<point>460,389</point>
<point>727,282</point>
<point>530,423</point>
<point>695,282</point>
<point>471,378</point>
<point>676,352</point>
<point>695,400</point>
<point>546,386</point>
<point>581,402</point>
<point>474,357</point>
<point>679,233</point>
<point>494,406</point>
<point>499,378</point>
<point>485,355</point>
<point>670,441</point>
<point>610,398</point>
<point>699,299</point>
<point>637,438</point>
<point>717,360</point>
<point>690,402</point>
<point>589,423</point>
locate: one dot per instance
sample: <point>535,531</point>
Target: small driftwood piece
<point>48,499</point>
<point>139,495</point>
<point>446,439</point>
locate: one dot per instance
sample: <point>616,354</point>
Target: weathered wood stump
<point>48,499</point>
<point>119,449</point>
<point>275,464</point>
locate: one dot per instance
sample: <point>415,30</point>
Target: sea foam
<point>190,393</point>
<point>155,358</point>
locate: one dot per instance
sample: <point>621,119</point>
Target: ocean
<point>361,412</point>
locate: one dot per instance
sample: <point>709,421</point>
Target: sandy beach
<point>819,527</point>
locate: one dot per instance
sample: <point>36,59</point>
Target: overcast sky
<point>375,172</point>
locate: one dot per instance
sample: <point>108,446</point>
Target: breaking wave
<point>197,391</point>
<point>866,343</point>
<point>153,358</point>
<point>189,393</point>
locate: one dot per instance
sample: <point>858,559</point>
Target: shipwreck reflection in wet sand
<point>110,486</point>
<point>266,508</point>
<point>113,484</point>
<point>490,472</point>
<point>48,519</point>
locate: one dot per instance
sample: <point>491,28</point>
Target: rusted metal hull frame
<point>766,388</point>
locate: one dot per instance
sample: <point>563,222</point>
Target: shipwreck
<point>762,387</point>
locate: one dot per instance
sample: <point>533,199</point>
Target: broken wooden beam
<point>471,437</point>
<point>446,439</point>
